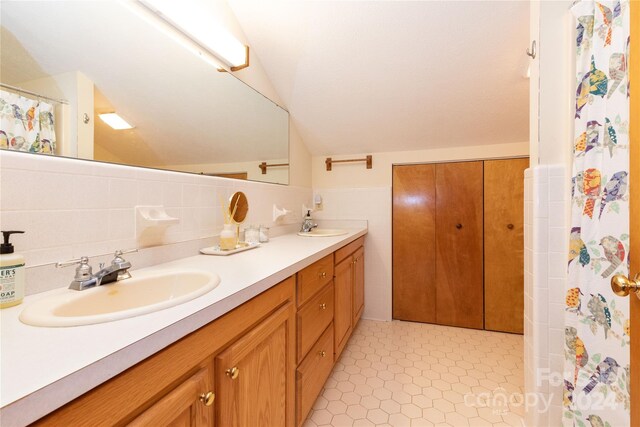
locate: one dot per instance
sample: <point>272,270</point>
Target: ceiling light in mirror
<point>115,121</point>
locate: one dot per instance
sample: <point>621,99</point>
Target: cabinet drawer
<point>314,277</point>
<point>313,318</point>
<point>345,251</point>
<point>312,374</point>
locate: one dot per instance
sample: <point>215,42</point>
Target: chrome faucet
<point>85,279</point>
<point>307,224</point>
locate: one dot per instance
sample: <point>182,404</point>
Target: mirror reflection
<point>67,66</point>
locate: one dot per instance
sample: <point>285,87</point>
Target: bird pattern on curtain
<point>26,124</point>
<point>596,377</point>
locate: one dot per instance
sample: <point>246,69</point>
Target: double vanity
<point>255,346</point>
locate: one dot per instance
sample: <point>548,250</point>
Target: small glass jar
<point>252,234</point>
<point>228,238</point>
<point>264,234</point>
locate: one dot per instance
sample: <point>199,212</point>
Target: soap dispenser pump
<point>12,275</point>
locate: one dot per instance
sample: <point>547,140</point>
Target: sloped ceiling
<point>371,76</point>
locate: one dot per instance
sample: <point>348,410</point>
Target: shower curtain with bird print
<point>596,377</point>
<point>26,124</point>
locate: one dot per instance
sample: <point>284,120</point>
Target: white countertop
<point>41,369</point>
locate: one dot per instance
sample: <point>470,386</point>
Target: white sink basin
<point>143,293</point>
<point>323,232</point>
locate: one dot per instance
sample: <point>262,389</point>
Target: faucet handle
<point>121,263</point>
<point>117,256</point>
<point>120,252</point>
<point>83,271</point>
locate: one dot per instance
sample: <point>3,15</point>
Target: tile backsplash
<point>72,208</point>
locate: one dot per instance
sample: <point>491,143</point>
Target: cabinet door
<point>189,404</point>
<point>459,236</point>
<point>255,377</point>
<point>504,244</point>
<point>343,293</point>
<point>358,285</point>
<point>414,248</point>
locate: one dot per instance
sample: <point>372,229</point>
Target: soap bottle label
<point>9,276</point>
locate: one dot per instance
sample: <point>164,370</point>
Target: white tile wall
<point>71,208</point>
<point>373,205</point>
<point>546,248</point>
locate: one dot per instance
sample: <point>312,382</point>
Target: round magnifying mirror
<point>238,207</point>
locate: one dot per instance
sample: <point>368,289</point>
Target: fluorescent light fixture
<point>196,25</point>
<point>115,121</point>
<point>172,32</point>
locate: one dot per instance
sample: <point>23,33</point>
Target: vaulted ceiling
<point>372,76</point>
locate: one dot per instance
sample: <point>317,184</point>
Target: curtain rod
<point>37,95</point>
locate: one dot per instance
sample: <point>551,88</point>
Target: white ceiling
<point>371,76</point>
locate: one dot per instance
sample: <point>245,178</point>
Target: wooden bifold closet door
<point>504,244</point>
<point>414,245</point>
<point>458,244</point>
<point>459,239</point>
<point>437,243</point>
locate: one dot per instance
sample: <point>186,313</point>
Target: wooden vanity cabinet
<point>343,318</point>
<point>312,373</point>
<point>358,285</point>
<point>171,386</point>
<point>330,302</point>
<point>262,364</point>
<point>186,405</point>
<point>255,375</point>
<point>349,292</point>
<point>316,311</point>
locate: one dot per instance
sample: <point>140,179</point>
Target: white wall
<point>355,175</point>
<point>71,208</point>
<point>548,208</point>
<point>374,205</point>
<point>350,191</point>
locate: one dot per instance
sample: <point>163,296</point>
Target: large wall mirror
<point>64,64</point>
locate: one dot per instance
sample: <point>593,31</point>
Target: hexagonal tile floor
<point>413,374</point>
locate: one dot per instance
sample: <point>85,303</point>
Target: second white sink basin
<point>324,232</point>
<point>143,293</point>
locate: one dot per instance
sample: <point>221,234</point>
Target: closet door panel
<point>504,244</point>
<point>414,287</point>
<point>459,244</point>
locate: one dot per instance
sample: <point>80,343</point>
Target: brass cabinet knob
<point>322,353</point>
<point>510,226</point>
<point>623,286</point>
<point>458,226</point>
<point>323,306</point>
<point>323,274</point>
<point>208,398</point>
<point>233,372</point>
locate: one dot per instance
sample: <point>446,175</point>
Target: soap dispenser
<point>11,273</point>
